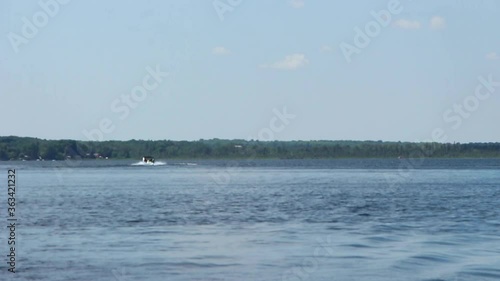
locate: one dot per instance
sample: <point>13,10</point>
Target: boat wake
<point>187,164</point>
<point>157,163</point>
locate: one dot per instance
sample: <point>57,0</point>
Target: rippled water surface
<point>257,220</point>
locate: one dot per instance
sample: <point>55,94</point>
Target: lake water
<point>361,219</point>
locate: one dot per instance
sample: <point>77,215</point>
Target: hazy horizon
<point>236,139</point>
<point>284,70</point>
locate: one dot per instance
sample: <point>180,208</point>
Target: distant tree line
<point>16,148</point>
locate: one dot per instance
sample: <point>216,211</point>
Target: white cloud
<point>407,24</point>
<point>297,4</point>
<point>326,48</point>
<point>291,62</point>
<point>220,51</point>
<point>437,22</point>
<point>492,56</point>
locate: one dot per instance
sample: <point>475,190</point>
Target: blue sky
<point>232,64</point>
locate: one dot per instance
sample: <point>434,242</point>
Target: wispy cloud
<point>220,51</point>
<point>407,24</point>
<point>291,62</point>
<point>437,22</point>
<point>492,56</point>
<point>297,4</point>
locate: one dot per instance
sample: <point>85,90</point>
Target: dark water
<point>256,220</point>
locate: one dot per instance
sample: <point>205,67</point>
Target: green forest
<point>24,148</point>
